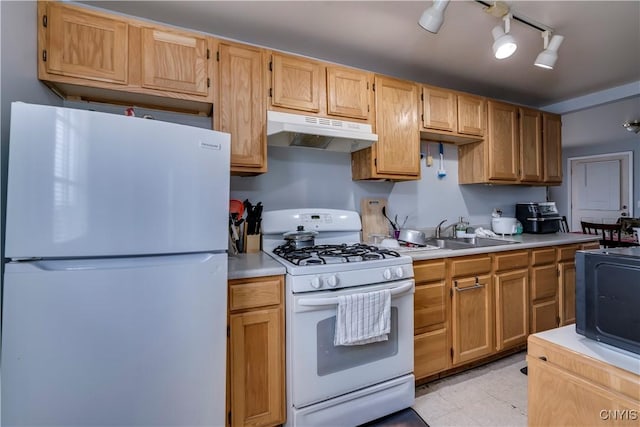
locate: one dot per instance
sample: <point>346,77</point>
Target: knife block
<point>252,243</point>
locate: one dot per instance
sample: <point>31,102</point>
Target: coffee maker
<point>538,217</point>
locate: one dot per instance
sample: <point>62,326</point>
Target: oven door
<point>318,370</point>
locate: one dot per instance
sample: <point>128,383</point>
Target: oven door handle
<point>312,302</point>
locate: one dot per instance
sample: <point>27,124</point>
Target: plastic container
<point>504,225</point>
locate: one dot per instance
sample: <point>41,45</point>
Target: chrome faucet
<point>439,228</point>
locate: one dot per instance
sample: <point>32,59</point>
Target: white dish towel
<point>363,318</point>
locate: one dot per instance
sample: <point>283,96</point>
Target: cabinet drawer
<point>544,282</point>
<point>428,271</point>
<point>567,253</point>
<point>431,354</point>
<point>510,260</point>
<point>543,256</point>
<point>253,293</point>
<point>590,245</point>
<point>429,305</point>
<point>470,266</point>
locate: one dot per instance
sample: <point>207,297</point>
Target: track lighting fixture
<point>632,126</point>
<point>504,45</point>
<point>548,57</point>
<point>433,17</point>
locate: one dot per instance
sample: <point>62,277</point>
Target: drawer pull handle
<point>476,286</point>
<point>544,359</point>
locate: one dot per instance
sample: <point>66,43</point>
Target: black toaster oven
<point>538,217</point>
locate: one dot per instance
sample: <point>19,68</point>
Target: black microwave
<point>608,296</point>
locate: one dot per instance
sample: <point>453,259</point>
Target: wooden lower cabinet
<point>256,352</point>
<point>472,318</point>
<point>543,285</point>
<point>567,292</point>
<point>431,326</point>
<point>567,388</point>
<point>544,315</point>
<point>512,303</point>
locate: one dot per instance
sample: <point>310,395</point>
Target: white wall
<point>300,178</point>
<point>599,130</point>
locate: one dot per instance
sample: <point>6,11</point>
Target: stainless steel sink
<point>466,243</point>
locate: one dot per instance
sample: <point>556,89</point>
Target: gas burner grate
<point>332,254</point>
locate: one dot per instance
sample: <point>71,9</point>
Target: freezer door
<point>120,342</point>
<point>83,183</point>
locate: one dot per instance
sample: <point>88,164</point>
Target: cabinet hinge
<point>367,108</point>
<point>270,92</point>
<point>422,97</point>
<point>208,82</point>
<point>44,55</point>
<point>451,352</point>
<point>229,417</point>
<point>557,321</point>
<point>367,85</point>
<point>422,117</point>
<point>44,21</point>
<point>208,54</point>
<point>373,86</point>
<point>375,162</point>
<point>270,65</point>
<point>228,331</point>
<point>451,293</point>
<point>558,271</point>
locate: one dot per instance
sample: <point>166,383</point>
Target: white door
<point>115,342</point>
<point>601,188</point>
<point>83,183</point>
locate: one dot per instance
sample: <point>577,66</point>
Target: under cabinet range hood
<point>297,130</point>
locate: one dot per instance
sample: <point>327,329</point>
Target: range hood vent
<point>297,130</point>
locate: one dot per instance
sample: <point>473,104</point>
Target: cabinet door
<point>242,104</point>
<point>502,148</point>
<point>439,109</point>
<point>471,115</point>
<point>552,147</point>
<point>295,83</point>
<point>257,368</point>
<point>431,353</point>
<point>530,145</point>
<point>567,292</point>
<point>174,61</point>
<point>347,93</point>
<point>398,146</point>
<point>512,303</point>
<point>86,44</point>
<point>544,315</point>
<point>472,316</point>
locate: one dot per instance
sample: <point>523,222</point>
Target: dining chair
<point>610,234</point>
<point>564,225</point>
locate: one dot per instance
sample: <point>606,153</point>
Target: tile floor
<point>491,395</point>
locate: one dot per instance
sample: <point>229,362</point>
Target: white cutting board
<point>373,222</point>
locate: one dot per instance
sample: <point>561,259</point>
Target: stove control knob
<point>332,281</point>
<point>315,282</point>
<point>386,274</point>
<point>399,272</point>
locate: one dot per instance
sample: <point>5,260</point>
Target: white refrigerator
<point>115,289</point>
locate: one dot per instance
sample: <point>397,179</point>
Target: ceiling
<point>601,49</point>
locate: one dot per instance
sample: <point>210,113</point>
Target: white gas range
<point>329,384</point>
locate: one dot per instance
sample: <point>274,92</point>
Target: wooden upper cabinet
<point>174,61</point>
<point>552,148</point>
<point>85,44</point>
<point>241,107</point>
<point>348,92</point>
<point>295,82</point>
<point>450,116</point>
<point>439,109</point>
<point>502,149</point>
<point>398,146</point>
<point>531,160</point>
<point>471,114</point>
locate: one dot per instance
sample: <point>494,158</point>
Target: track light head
<point>433,17</point>
<point>548,57</point>
<point>504,45</point>
<point>632,126</point>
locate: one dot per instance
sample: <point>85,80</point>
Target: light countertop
<point>243,266</point>
<point>567,337</point>
<point>525,241</point>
